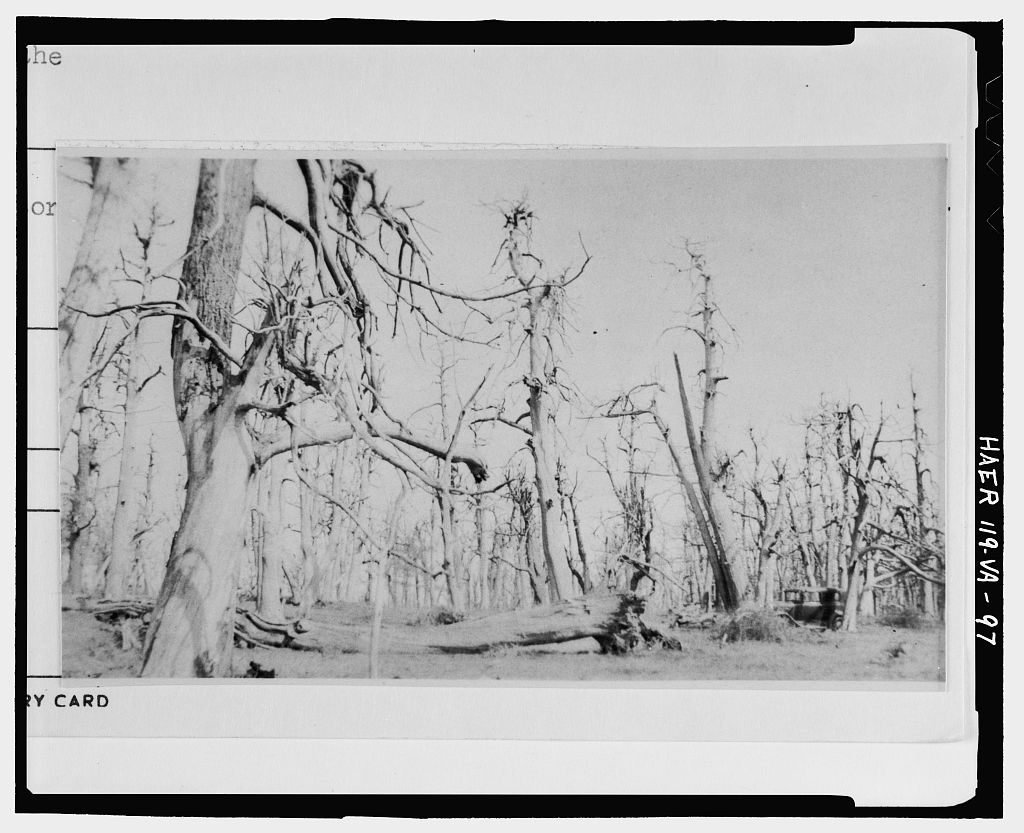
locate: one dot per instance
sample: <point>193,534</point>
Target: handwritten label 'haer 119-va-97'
<point>988,541</point>
<point>64,700</point>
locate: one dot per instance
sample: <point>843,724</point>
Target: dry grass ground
<point>92,649</point>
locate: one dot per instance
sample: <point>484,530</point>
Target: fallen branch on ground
<point>614,621</point>
<point>250,628</point>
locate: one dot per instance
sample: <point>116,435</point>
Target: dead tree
<point>857,461</point>
<point>82,510</point>
<point>636,509</point>
<point>929,590</point>
<point>768,523</point>
<point>711,464</point>
<point>707,500</point>
<point>615,622</point>
<point>139,370</point>
<point>541,307</point>
<point>571,512</point>
<point>91,283</point>
<point>379,581</point>
<point>235,329</point>
<point>533,587</point>
<point>216,389</point>
<point>451,562</point>
<point>623,407</point>
<point>310,563</point>
<point>484,549</point>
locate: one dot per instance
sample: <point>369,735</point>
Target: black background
<point>987,802</point>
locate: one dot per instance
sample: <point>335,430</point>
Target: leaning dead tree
<point>706,499</point>
<point>624,406</point>
<point>709,461</point>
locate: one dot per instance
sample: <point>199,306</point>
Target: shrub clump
<point>441,616</point>
<point>903,617</point>
<point>755,625</point>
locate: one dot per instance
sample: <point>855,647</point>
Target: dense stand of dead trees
<point>291,446</point>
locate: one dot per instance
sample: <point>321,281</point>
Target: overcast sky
<point>830,266</point>
<point>831,271</point>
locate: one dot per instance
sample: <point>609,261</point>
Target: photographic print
<point>554,415</point>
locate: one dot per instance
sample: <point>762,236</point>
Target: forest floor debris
<point>92,648</point>
<point>756,625</point>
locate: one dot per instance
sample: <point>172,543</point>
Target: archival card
<point>531,421</point>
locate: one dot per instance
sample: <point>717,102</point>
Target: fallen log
<point>251,629</point>
<point>108,610</point>
<point>615,621</point>
<point>690,616</point>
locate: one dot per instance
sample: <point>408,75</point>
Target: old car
<point>813,605</point>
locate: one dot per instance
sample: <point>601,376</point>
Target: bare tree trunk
<point>928,589</point>
<point>141,367</point>
<point>707,586</point>
<point>719,515</point>
<point>867,596</point>
<point>539,588</point>
<point>82,514</point>
<point>268,594</point>
<point>379,585</point>
<point>193,621</point>
<point>588,582</point>
<point>767,556</point>
<point>483,552</point>
<point>451,561</point>
<point>553,540</point>
<point>131,483</point>
<point>855,565</point>
<point>310,566</point>
<point>355,544</point>
<point>90,286</point>
<point>257,526</point>
<point>709,452</point>
<point>377,592</point>
<point>193,625</point>
<point>150,558</point>
<point>337,539</point>
<point>727,595</point>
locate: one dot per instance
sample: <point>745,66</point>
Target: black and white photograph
<point>569,415</point>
